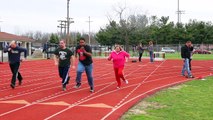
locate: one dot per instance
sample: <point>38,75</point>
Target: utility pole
<point>0,25</point>
<point>62,25</point>
<point>68,23</point>
<point>89,28</point>
<point>179,12</point>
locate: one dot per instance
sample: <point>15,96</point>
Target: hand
<point>23,59</point>
<point>73,67</point>
<point>82,47</point>
<point>9,49</point>
<point>126,60</point>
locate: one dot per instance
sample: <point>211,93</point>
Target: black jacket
<point>185,52</point>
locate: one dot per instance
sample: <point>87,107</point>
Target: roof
<point>9,37</point>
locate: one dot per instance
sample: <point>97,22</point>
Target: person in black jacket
<point>14,54</point>
<point>186,56</point>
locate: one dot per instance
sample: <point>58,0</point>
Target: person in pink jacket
<point>119,57</point>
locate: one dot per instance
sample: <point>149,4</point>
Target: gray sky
<point>20,16</point>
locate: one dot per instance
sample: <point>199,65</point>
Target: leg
<point>151,56</point>
<point>14,69</point>
<point>183,69</point>
<point>120,73</point>
<point>80,70</point>
<point>89,72</point>
<point>140,55</point>
<point>190,67</point>
<point>65,75</point>
<point>187,67</point>
<point>60,71</point>
<point>117,77</point>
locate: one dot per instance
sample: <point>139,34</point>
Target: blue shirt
<point>15,53</point>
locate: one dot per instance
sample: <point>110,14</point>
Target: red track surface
<point>41,96</point>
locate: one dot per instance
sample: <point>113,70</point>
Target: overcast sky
<point>20,16</point>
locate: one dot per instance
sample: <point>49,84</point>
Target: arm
<point>7,49</point>
<point>127,56</point>
<point>72,61</point>
<point>25,51</point>
<point>87,52</point>
<point>55,58</point>
<point>110,57</point>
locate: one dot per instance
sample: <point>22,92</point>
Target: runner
<point>14,54</point>
<point>64,58</point>
<point>85,64</point>
<point>118,56</point>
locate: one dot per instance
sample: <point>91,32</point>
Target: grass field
<point>190,101</point>
<point>195,56</point>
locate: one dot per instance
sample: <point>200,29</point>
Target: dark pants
<point>190,66</point>
<point>64,74</point>
<point>140,56</point>
<point>16,74</point>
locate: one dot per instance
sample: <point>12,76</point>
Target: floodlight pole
<point>68,22</point>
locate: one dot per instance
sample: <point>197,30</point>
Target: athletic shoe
<point>91,89</point>
<point>78,85</point>
<point>126,81</point>
<point>12,86</point>
<point>190,76</point>
<point>183,75</point>
<point>64,87</point>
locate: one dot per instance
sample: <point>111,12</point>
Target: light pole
<point>0,25</point>
<point>89,28</point>
<point>68,23</point>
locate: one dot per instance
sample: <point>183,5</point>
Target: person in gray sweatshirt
<point>151,50</point>
<point>14,58</point>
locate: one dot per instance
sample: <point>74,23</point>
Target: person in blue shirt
<point>14,58</point>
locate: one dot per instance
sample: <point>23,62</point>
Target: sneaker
<point>190,76</point>
<point>12,86</point>
<point>183,75</point>
<point>126,81</point>
<point>78,85</point>
<point>91,89</point>
<point>64,87</point>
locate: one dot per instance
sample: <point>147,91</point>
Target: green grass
<point>189,101</point>
<point>195,56</point>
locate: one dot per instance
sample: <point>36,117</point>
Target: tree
<point>54,38</point>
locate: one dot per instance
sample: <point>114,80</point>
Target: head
<point>150,43</point>
<point>118,48</point>
<point>62,44</point>
<point>82,42</point>
<point>188,43</point>
<point>13,44</point>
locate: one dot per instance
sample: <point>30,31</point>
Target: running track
<point>41,96</point>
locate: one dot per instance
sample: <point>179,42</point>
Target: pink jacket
<point>118,58</point>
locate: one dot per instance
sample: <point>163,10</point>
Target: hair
<point>188,41</point>
<point>13,42</point>
<point>119,47</point>
<point>82,39</point>
<point>62,40</point>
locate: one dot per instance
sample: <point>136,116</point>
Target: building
<point>7,38</point>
